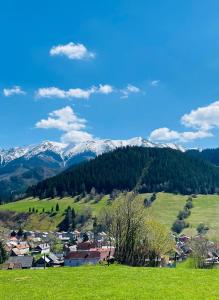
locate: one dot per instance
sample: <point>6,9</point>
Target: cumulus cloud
<point>15,90</point>
<point>202,120</point>
<point>206,117</point>
<point>54,92</point>
<point>165,134</point>
<point>72,51</point>
<point>65,120</point>
<point>105,89</point>
<point>154,82</point>
<point>128,90</point>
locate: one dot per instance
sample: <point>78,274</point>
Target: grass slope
<point>114,282</point>
<point>205,210</point>
<point>165,209</point>
<point>43,221</point>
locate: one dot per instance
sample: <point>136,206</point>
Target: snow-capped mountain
<point>21,167</point>
<point>66,152</point>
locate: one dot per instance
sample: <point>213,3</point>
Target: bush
<point>189,204</point>
<point>202,228</point>
<point>179,225</point>
<point>183,214</point>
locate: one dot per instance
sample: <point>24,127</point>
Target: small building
<point>86,245</point>
<point>43,248</point>
<point>42,262</point>
<point>49,261</point>
<point>18,262</point>
<point>78,258</point>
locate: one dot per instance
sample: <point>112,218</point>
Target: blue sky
<point>120,68</point>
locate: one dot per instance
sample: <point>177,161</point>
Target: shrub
<point>179,225</point>
<point>202,228</point>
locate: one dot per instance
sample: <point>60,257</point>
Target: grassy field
<point>43,221</point>
<point>114,282</point>
<point>167,206</point>
<point>165,209</point>
<point>205,210</point>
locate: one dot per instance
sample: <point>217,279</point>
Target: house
<point>23,247</point>
<point>49,261</point>
<point>184,238</point>
<point>86,245</point>
<point>18,262</point>
<point>43,248</point>
<point>91,256</point>
<point>78,258</point>
<point>17,252</point>
<point>42,262</point>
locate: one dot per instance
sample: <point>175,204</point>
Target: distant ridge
<point>67,151</point>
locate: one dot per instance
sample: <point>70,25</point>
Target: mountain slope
<point>25,166</point>
<point>210,155</point>
<point>151,169</point>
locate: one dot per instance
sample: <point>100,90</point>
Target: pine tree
<point>20,232</point>
<point>57,207</point>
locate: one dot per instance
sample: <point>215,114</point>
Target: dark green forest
<point>145,169</point>
<point>210,155</point>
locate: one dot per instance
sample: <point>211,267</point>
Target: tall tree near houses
<point>3,253</point>
<point>73,215</point>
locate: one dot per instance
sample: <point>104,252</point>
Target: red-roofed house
<point>86,245</point>
<point>91,256</point>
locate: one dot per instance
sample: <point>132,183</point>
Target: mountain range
<point>21,167</point>
<point>144,169</point>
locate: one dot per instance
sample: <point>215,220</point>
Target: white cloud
<point>205,118</point>
<point>165,134</point>
<point>202,120</point>
<point>67,121</point>
<point>105,89</point>
<point>72,51</point>
<point>154,82</point>
<point>51,92</point>
<point>54,92</point>
<point>129,89</point>
<point>15,90</point>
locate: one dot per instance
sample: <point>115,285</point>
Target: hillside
<point>165,209</point>
<point>148,169</point>
<point>210,155</point>
<point>16,214</point>
<point>98,282</point>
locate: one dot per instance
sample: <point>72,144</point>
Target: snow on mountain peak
<point>67,151</point>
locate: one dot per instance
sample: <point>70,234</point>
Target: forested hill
<point>210,155</point>
<point>151,169</point>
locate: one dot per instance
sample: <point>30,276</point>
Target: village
<point>40,250</point>
<point>35,249</point>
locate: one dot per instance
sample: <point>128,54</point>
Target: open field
<point>114,282</point>
<point>165,209</point>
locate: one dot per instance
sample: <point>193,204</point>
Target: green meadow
<point>46,220</point>
<point>165,209</point>
<point>114,282</point>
